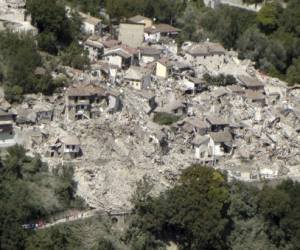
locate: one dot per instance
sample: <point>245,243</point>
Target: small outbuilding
<point>71,146</point>
<point>163,68</point>
<point>138,77</point>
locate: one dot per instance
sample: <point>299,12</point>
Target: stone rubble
<point>123,147</point>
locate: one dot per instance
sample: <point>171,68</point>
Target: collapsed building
<point>87,101</point>
<point>145,111</point>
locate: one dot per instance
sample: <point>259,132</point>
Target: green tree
<point>47,42</point>
<point>247,226</point>
<point>291,223</point>
<point>268,17</point>
<point>56,29</point>
<point>88,6</point>
<point>27,194</point>
<point>55,238</point>
<point>163,118</point>
<point>189,23</point>
<point>252,45</point>
<point>275,205</point>
<point>104,244</point>
<point>75,56</point>
<point>196,221</point>
<point>290,19</point>
<point>273,60</point>
<point>226,24</point>
<point>293,75</point>
<point>20,59</point>
<point>163,10</point>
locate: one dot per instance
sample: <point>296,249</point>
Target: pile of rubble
<point>111,150</point>
<point>13,17</point>
<point>212,109</point>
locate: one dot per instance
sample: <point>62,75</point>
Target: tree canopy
<point>195,221</point>
<point>28,192</point>
<point>204,211</point>
<point>163,10</point>
<point>270,38</point>
<point>56,29</point>
<point>19,60</point>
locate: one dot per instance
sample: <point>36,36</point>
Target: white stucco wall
<point>114,60</point>
<point>161,70</point>
<point>88,28</point>
<point>153,38</point>
<point>71,150</point>
<point>147,59</point>
<point>135,84</point>
<point>93,53</point>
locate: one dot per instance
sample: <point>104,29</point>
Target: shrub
<point>163,118</point>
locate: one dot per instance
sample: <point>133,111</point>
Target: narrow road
<point>241,6</point>
<point>73,216</point>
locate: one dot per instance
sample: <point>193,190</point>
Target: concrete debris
<point>102,124</point>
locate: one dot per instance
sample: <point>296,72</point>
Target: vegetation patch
<point>204,211</point>
<point>28,193</point>
<point>163,118</point>
<point>219,80</point>
<point>270,37</point>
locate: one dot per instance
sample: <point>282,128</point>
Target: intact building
<point>131,34</point>
<point>141,20</point>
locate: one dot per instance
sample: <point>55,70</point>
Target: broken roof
<point>197,122</point>
<point>216,120</point>
<point>195,80</point>
<point>136,73</point>
<point>180,66</point>
<point>200,139</point>
<point>274,90</point>
<point>137,19</point>
<point>85,90</point>
<point>206,48</point>
<point>149,51</point>
<point>70,140</point>
<point>94,43</point>
<point>219,92</point>
<point>103,65</point>
<point>111,43</point>
<point>221,137</point>
<point>90,19</point>
<point>254,95</point>
<point>161,28</point>
<point>122,50</point>
<point>166,62</point>
<point>249,82</point>
<point>120,53</point>
<point>171,106</point>
<point>4,113</point>
<point>236,89</point>
<point>42,107</point>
